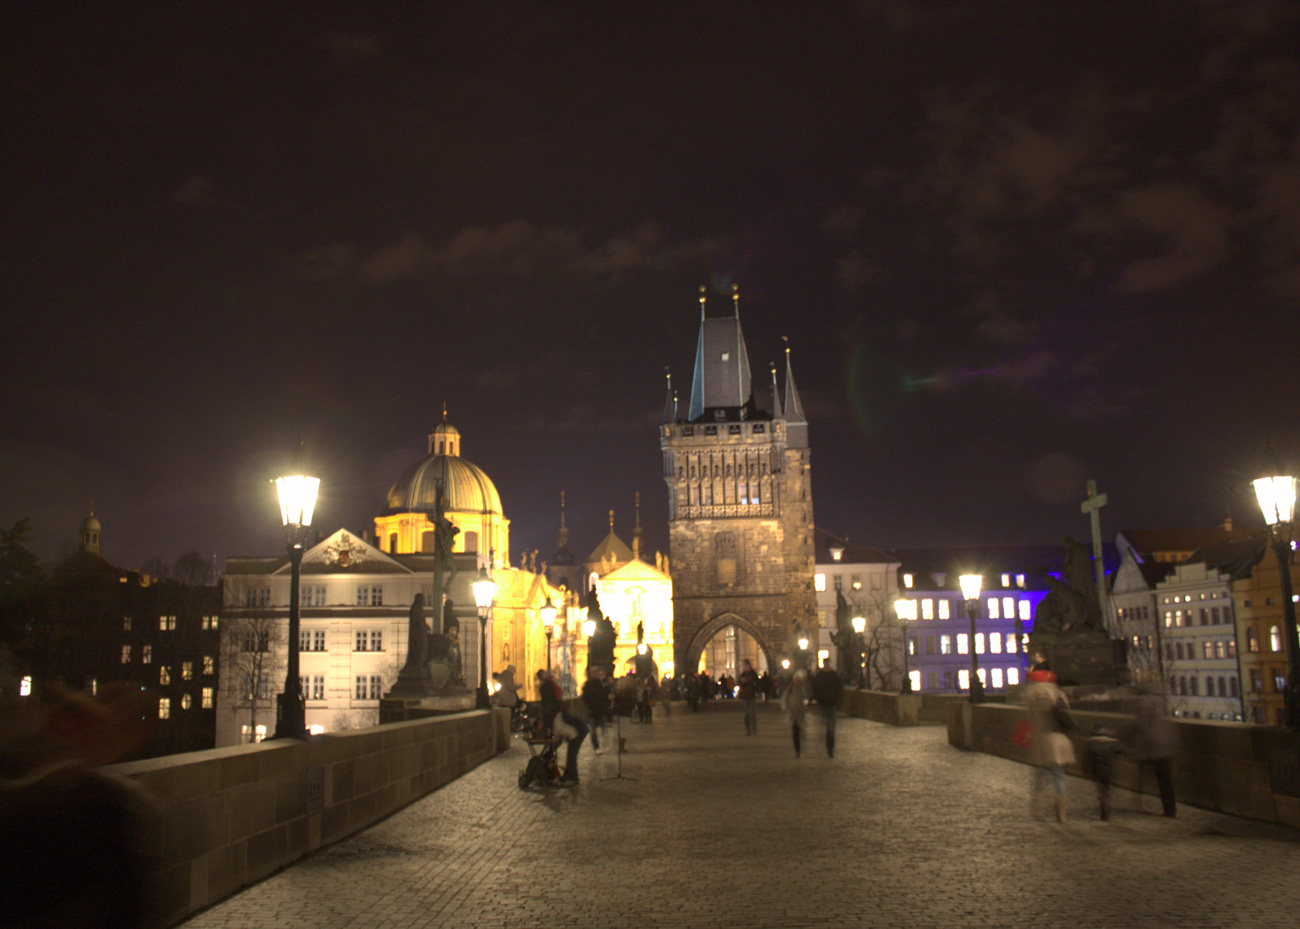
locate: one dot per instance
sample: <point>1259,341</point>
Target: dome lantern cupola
<point>90,534</point>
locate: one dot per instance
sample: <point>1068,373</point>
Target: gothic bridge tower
<point>740,509</point>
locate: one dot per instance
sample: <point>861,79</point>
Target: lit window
<point>209,666</point>
<point>362,640</point>
<point>995,644</point>
<point>1006,580</point>
<point>376,686</point>
<point>304,640</point>
<point>997,677</point>
<point>126,623</point>
<point>1026,610</point>
<point>907,581</point>
<point>186,701</point>
<point>1009,607</point>
<point>1274,639</point>
<point>1252,640</point>
<point>943,609</point>
<point>164,708</point>
<point>963,679</point>
<point>318,640</point>
<point>25,686</point>
<point>207,698</point>
<point>146,654</point>
<point>317,687</point>
<point>819,581</point>
<point>164,676</point>
<point>993,608</point>
<point>963,644</point>
<point>927,609</point>
<point>983,676</point>
<point>187,670</point>
<point>945,645</point>
<point>209,622</point>
<point>1013,676</point>
<point>915,678</point>
<point>376,640</point>
<point>167,623</point>
<point>979,643</point>
<point>823,655</point>
<point>1020,581</point>
<point>360,691</point>
<point>94,686</point>
<point>1169,619</point>
<point>838,581</point>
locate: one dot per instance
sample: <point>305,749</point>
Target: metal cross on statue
<point>1090,506</point>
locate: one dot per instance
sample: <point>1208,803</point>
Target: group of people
<point>700,688</point>
<point>1151,739</point>
<point>825,688</point>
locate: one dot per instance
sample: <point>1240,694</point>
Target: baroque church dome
<point>466,487</point>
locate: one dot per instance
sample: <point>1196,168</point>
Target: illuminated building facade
<point>867,579</point>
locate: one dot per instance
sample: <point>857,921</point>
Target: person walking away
<point>1049,723</point>
<point>555,717</point>
<point>796,700</point>
<point>596,698</point>
<point>1153,740</point>
<point>828,690</point>
<point>1102,749</point>
<point>749,696</point>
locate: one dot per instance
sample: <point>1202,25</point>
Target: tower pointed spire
<point>796,429</point>
<point>722,385</point>
<point>670,398</point>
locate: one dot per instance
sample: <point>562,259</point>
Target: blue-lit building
<point>939,641</point>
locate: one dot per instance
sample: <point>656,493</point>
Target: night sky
<point>1015,246</point>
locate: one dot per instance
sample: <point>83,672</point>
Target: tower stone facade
<point>740,508</point>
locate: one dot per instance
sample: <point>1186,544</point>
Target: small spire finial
<point>611,520</point>
<point>561,509</point>
<point>444,412</point>
<point>701,302</point>
<point>735,299</point>
<point>786,340</point>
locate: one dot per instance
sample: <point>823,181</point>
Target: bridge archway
<point>706,633</point>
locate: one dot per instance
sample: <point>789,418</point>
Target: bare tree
<point>252,655</point>
<point>882,638</point>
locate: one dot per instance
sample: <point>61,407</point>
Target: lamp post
<point>970,591</point>
<point>1277,501</point>
<point>548,621</point>
<point>297,493</point>
<point>860,627</point>
<point>905,609</point>
<point>802,657</point>
<point>485,591</point>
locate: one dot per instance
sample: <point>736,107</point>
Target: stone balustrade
<point>228,817</point>
<point>1246,770</point>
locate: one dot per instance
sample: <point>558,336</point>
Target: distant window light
<point>819,582</point>
<point>945,645</point>
<point>164,708</point>
<point>993,608</point>
<point>963,679</point>
<point>915,678</point>
<point>316,729</point>
<point>167,623</point>
<point>1009,607</point>
<point>963,644</point>
<point>164,676</point>
<point>1026,610</point>
<point>943,609</point>
<point>1274,639</point>
<point>1020,580</point>
<point>995,644</point>
<point>823,655</point>
<point>726,356</point>
<point>907,581</point>
<point>126,623</point>
<point>209,665</point>
<point>209,622</point>
<point>187,670</point>
<point>1006,580</point>
<point>1013,676</point>
<point>927,608</point>
<point>997,678</point>
<point>207,698</point>
<point>186,701</point>
<point>25,686</point>
<point>979,643</point>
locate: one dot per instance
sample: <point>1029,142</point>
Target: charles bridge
<point>711,828</point>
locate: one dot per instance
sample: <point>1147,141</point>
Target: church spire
<point>562,537</point>
<point>670,399</point>
<point>637,530</point>
<point>796,428</point>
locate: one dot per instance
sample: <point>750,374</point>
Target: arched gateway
<point>740,515</point>
<point>718,625</point>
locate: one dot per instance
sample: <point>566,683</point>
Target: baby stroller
<point>543,768</point>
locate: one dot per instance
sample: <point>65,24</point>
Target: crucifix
<point>1091,506</point>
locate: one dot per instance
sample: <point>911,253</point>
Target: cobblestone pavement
<point>721,830</point>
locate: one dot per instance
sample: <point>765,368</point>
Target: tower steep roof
<point>722,379</point>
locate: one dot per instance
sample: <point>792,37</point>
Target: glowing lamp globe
<point>485,589</point>
<point>548,614</point>
<point>859,624</point>
<point>589,627</point>
<point>970,585</point>
<point>1276,498</point>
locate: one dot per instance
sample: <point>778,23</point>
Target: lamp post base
<point>976,691</point>
<point>290,717</point>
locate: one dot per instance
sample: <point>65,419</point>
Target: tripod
<point>620,776</point>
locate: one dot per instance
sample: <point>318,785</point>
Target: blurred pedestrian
<point>1153,740</point>
<point>596,699</point>
<point>796,707</point>
<point>749,696</point>
<point>1102,746</point>
<point>828,690</point>
<point>562,723</point>
<point>1050,724</point>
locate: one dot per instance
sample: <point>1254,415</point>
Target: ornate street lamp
<point>1277,501</point>
<point>859,628</point>
<point>548,621</point>
<point>905,610</point>
<point>970,591</point>
<point>297,494</point>
<point>485,592</point>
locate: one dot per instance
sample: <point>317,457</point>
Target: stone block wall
<point>887,707</point>
<point>1247,770</point>
<point>228,817</point>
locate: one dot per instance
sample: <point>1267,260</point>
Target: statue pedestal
<point>1080,657</point>
<point>394,709</point>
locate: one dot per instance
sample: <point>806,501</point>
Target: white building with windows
<point>1198,633</point>
<point>867,580</point>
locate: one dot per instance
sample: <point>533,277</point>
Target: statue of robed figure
<point>426,668</point>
